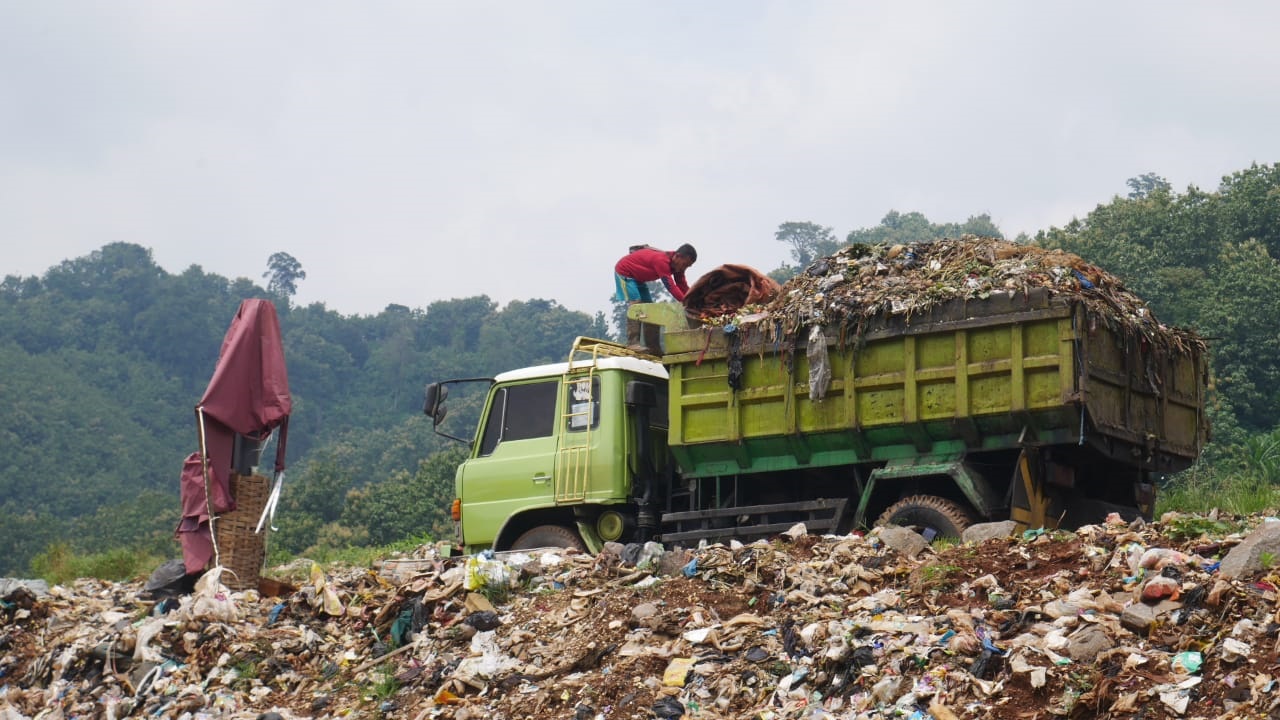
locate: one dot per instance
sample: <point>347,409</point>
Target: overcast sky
<point>407,152</point>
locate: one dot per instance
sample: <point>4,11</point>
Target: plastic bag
<point>483,570</point>
<point>326,595</point>
<point>167,580</point>
<point>142,650</point>
<point>819,369</point>
<point>677,672</point>
<point>212,599</point>
<point>650,554</point>
<point>487,660</point>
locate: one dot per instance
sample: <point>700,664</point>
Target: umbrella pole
<point>208,500</point>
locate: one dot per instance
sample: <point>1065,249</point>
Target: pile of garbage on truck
<point>861,282</point>
<point>1171,619</point>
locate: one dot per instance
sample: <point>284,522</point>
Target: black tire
<point>549,536</point>
<point>929,515</point>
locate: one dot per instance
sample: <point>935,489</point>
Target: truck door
<point>514,462</point>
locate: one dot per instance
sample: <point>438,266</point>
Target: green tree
<point>1246,352</point>
<point>1204,261</point>
<point>599,326</point>
<point>16,287</point>
<point>391,376</point>
<point>980,225</point>
<point>407,505</point>
<point>66,442</point>
<point>808,241</point>
<point>1263,456</point>
<point>1146,184</point>
<point>321,372</point>
<point>1249,206</point>
<point>24,533</point>
<point>455,324</point>
<point>184,327</point>
<point>121,273</point>
<point>283,273</point>
<point>145,523</point>
<point>312,499</point>
<point>529,333</point>
<point>913,227</point>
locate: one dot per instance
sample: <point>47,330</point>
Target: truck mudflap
<point>753,521</point>
<point>1030,502</point>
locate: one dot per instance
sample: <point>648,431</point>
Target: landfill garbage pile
<point>861,282</point>
<point>1172,619</point>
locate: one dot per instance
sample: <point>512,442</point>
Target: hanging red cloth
<point>248,395</point>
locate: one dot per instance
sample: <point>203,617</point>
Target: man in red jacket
<point>643,265</point>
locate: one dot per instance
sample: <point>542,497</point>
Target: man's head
<point>684,256</point>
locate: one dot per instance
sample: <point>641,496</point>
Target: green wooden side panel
<point>963,380</point>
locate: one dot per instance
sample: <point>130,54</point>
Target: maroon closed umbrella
<point>248,396</point>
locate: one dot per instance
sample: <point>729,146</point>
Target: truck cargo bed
<point>964,376</point>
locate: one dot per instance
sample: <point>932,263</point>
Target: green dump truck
<point>1026,405</point>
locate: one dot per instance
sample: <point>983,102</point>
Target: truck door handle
<point>542,478</point>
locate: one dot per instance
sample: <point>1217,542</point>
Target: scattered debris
<point>861,283</point>
<point>1043,624</point>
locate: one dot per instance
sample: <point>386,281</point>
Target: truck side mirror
<point>434,406</point>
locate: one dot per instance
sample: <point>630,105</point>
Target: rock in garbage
<point>643,611</point>
<point>1061,608</point>
<point>1139,617</point>
<point>904,540</point>
<point>1088,643</point>
<point>795,532</point>
<point>673,561</point>
<point>983,532</point>
<point>1247,557</point>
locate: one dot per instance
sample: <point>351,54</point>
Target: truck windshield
<point>520,412</point>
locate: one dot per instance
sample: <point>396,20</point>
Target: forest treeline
<point>103,357</point>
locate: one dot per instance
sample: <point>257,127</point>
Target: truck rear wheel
<point>929,515</point>
<point>549,536</point>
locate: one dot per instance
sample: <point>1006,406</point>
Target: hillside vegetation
<point>103,357</point>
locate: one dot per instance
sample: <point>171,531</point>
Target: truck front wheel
<point>929,515</point>
<point>549,536</point>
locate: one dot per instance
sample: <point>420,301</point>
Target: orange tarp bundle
<point>727,289</point>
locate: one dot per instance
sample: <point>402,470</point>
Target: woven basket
<point>241,550</point>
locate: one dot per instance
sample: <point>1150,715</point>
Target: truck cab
<point>555,454</point>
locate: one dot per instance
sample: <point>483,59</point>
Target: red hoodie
<point>649,264</point>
